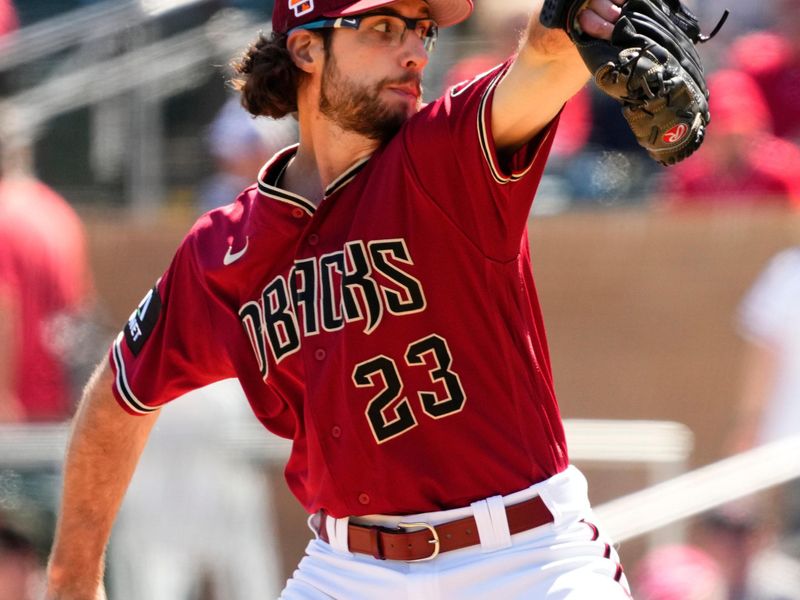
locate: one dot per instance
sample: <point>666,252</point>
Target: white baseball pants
<point>569,559</point>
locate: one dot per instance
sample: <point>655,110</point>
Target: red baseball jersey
<point>392,332</point>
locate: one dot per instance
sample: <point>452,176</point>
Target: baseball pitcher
<point>372,292</point>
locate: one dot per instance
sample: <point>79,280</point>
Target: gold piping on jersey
<point>267,189</point>
<point>287,197</point>
<point>483,136</point>
<point>122,382</point>
<point>346,177</point>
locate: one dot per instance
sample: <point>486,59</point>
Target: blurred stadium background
<point>111,103</point>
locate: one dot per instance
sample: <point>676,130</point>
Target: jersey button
<point>313,239</point>
<point>363,498</point>
<point>336,431</point>
<point>297,213</point>
<point>320,354</point>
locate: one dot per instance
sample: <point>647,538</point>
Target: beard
<point>358,108</point>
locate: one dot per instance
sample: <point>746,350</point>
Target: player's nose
<point>414,56</point>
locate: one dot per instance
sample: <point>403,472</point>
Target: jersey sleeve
<point>168,346</point>
<point>772,300</point>
<point>488,196</point>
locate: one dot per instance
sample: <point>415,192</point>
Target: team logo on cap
<point>301,7</point>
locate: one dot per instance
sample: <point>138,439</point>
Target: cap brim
<point>444,12</point>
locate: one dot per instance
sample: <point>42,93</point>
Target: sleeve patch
<point>142,321</point>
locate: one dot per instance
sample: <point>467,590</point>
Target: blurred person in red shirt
<point>772,59</point>
<point>8,17</point>
<point>44,282</point>
<point>741,161</point>
<point>678,572</point>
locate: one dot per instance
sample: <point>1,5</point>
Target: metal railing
<point>162,69</point>
<point>57,33</point>
<point>145,73</point>
<point>702,489</point>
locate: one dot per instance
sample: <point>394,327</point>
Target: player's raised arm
<point>103,451</point>
<point>547,72</point>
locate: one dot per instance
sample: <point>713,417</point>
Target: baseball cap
<point>289,14</point>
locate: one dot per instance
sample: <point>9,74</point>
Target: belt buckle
<point>434,541</point>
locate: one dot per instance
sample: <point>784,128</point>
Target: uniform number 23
<point>389,412</point>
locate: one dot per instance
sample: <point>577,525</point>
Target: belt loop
<point>337,533</point>
<point>490,516</point>
<point>313,522</point>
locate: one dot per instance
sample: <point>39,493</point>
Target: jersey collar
<point>272,171</point>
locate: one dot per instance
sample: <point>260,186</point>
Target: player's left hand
<point>597,18</point>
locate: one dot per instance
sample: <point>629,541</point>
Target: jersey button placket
<point>313,239</point>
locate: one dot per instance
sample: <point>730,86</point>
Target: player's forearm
<point>546,73</point>
<point>104,449</point>
<point>540,45</point>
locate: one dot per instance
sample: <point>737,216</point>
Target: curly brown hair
<point>267,77</point>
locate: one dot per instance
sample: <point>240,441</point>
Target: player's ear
<point>306,50</point>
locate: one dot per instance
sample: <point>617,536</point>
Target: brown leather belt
<point>428,541</point>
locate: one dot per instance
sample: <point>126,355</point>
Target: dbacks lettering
<point>361,282</point>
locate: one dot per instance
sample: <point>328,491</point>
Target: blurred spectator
<point>8,17</point>
<point>502,28</point>
<point>45,286</point>
<point>240,145</point>
<point>21,575</point>
<point>740,162</point>
<point>769,321</point>
<point>678,573</point>
<point>772,58</point>
<point>499,28</point>
<point>574,126</point>
<point>198,514</point>
<point>739,537</point>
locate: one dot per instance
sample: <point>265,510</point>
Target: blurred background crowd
<point>673,293</point>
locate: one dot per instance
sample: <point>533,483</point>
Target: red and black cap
<point>289,14</point>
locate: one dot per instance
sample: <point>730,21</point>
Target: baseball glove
<point>651,66</point>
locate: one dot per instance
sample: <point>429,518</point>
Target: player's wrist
<point>68,580</point>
